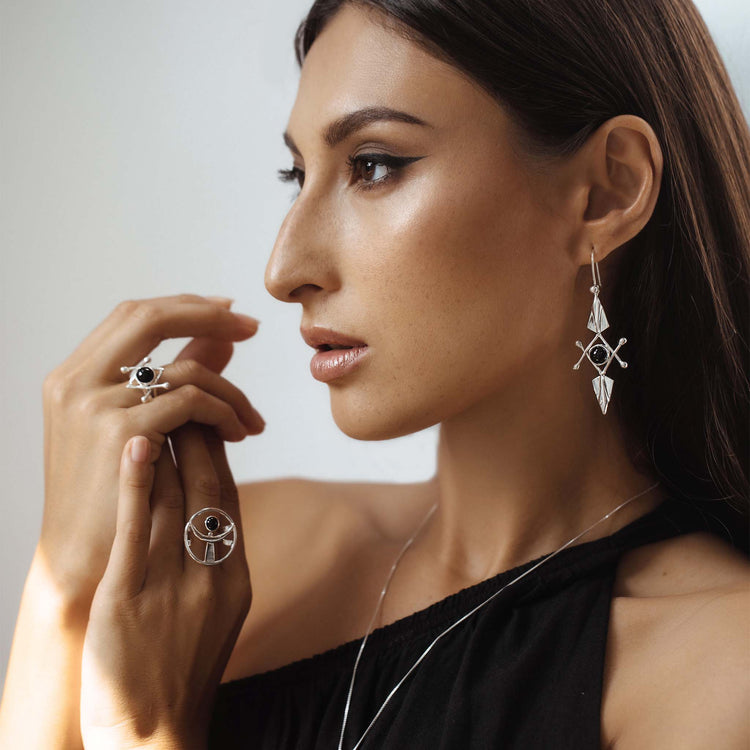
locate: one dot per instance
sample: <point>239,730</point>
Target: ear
<point>618,171</point>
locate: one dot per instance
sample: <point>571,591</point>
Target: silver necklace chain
<point>457,622</point>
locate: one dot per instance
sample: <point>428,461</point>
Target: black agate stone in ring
<point>145,375</point>
<point>212,523</point>
<point>145,378</point>
<point>210,536</point>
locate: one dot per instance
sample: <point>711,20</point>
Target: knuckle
<point>135,532</point>
<point>88,405</point>
<point>172,498</point>
<point>57,387</point>
<point>138,482</point>
<point>187,369</point>
<point>207,485</point>
<point>186,299</point>
<point>126,307</point>
<point>52,387</point>
<point>50,381</point>
<point>145,310</point>
<point>190,393</point>
<point>139,309</point>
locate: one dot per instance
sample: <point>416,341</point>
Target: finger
<point>108,327</point>
<point>203,490</point>
<point>191,371</point>
<point>195,467</point>
<point>217,452</point>
<point>230,502</point>
<point>188,403</point>
<point>137,327</point>
<point>145,325</point>
<point>166,554</point>
<point>211,353</point>
<point>126,568</point>
<point>177,375</point>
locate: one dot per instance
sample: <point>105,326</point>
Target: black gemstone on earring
<point>598,354</point>
<point>212,523</point>
<point>145,375</point>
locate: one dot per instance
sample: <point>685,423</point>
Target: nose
<point>301,261</point>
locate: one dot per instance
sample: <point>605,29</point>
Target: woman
<point>493,196</point>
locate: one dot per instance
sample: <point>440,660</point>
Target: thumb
<point>126,569</point>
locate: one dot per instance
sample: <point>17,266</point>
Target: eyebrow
<point>344,126</point>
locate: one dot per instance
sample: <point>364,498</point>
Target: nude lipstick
<point>338,353</point>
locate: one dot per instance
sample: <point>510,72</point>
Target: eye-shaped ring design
<point>219,527</point>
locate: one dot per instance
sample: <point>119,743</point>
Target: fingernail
<point>225,301</point>
<point>140,449</point>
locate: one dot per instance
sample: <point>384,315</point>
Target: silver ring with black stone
<point>206,529</point>
<point>145,378</point>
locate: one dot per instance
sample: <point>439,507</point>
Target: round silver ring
<point>207,528</point>
<point>144,378</point>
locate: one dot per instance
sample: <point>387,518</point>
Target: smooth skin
<point>155,605</point>
<point>89,417</point>
<point>467,273</point>
<point>88,412</point>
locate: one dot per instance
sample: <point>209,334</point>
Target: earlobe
<point>623,171</point>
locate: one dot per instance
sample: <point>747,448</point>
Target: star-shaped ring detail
<point>145,378</point>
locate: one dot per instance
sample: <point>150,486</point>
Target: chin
<point>375,420</point>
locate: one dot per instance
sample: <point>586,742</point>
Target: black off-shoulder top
<point>524,672</point>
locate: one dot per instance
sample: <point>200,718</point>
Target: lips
<point>325,339</point>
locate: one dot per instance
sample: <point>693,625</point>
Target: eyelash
<point>393,163</point>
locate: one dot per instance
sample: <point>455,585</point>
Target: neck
<point>523,471</point>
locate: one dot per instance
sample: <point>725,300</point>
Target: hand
<point>162,626</point>
<point>89,415</point>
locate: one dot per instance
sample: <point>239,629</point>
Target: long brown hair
<point>680,295</point>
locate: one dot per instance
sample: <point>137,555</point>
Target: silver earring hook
<point>597,279</point>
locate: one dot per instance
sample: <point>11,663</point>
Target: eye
<point>370,169</point>
<point>375,169</point>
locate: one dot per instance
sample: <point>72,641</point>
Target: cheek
<point>449,269</point>
<point>458,294</point>
<point>451,258</point>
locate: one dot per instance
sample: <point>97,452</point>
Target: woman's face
<point>451,267</point>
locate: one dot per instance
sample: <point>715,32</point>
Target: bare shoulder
<point>380,508</point>
<point>678,653</point>
<point>311,546</point>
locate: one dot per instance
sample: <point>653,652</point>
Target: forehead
<point>357,62</point>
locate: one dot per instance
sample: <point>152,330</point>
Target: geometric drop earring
<point>599,352</point>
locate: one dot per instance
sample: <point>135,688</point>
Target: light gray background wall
<point>138,146</point>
